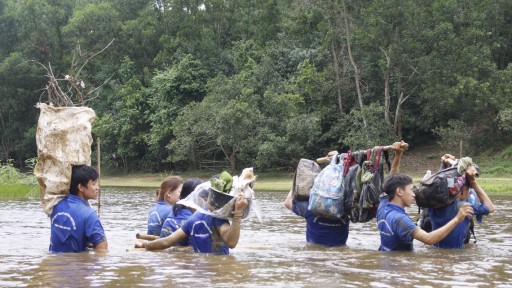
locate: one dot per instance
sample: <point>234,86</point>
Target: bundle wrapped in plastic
<point>63,139</point>
<point>208,200</point>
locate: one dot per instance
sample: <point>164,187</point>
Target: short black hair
<point>81,174</point>
<point>188,187</point>
<point>393,182</point>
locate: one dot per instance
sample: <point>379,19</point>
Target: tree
<point>226,121</point>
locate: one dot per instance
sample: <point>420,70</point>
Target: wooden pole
<point>99,173</point>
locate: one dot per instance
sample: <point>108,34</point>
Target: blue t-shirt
<point>395,227</point>
<point>204,235</point>
<point>74,224</point>
<point>440,216</point>
<point>174,222</point>
<point>156,217</point>
<point>328,232</point>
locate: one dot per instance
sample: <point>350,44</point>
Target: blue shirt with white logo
<point>440,216</point>
<point>156,217</point>
<point>395,227</point>
<point>328,232</point>
<point>203,232</point>
<point>174,222</point>
<point>74,224</point>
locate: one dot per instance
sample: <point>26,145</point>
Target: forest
<point>194,84</point>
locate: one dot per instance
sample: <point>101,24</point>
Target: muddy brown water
<point>269,254</point>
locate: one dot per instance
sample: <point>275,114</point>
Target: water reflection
<point>272,253</point>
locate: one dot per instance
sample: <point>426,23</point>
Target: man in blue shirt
<point>323,231</point>
<point>482,205</point>
<point>74,224</point>
<point>397,230</point>
<point>207,234</point>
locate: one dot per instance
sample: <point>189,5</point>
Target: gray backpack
<point>304,179</point>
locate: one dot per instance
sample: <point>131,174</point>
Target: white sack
<point>63,139</point>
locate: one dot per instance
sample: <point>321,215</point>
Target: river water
<point>269,254</point>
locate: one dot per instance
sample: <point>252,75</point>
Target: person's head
<point>170,189</point>
<point>399,189</point>
<point>188,187</point>
<point>83,182</point>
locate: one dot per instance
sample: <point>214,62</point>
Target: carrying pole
<point>99,173</point>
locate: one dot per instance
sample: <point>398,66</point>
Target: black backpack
<point>439,189</point>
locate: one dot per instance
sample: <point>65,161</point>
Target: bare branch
<point>94,55</point>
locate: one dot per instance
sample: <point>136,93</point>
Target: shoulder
<point>301,208</point>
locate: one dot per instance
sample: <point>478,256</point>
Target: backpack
<point>369,179</point>
<point>439,189</point>
<point>303,180</point>
<point>326,199</point>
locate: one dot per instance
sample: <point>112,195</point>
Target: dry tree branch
<point>75,93</point>
<point>94,55</point>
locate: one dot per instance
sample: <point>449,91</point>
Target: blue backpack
<point>326,199</point>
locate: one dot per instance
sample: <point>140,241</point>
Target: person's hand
<point>140,243</point>
<point>471,173</point>
<point>464,211</point>
<point>399,146</point>
<point>448,159</point>
<point>332,154</point>
<point>240,203</point>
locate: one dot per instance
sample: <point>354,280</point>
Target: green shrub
<point>14,183</point>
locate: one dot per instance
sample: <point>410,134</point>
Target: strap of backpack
<point>369,154</point>
<point>347,162</point>
<point>386,158</point>
<point>376,161</point>
<point>472,230</point>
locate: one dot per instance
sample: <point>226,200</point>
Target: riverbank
<point>281,182</point>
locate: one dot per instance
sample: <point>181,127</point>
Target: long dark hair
<point>188,187</point>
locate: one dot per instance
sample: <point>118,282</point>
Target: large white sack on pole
<point>63,139</point>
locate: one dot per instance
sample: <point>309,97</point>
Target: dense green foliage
<point>232,83</point>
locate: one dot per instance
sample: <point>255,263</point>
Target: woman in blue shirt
<point>167,195</point>
<point>180,213</point>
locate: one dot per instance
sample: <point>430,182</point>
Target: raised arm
<point>399,148</point>
<point>439,234</point>
<point>470,175</point>
<point>230,234</point>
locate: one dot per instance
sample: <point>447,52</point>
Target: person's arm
<point>399,148</point>
<point>288,203</point>
<point>162,243</point>
<point>439,234</point>
<point>470,175</point>
<point>101,247</point>
<point>230,234</point>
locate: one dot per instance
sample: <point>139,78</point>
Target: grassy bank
<point>265,182</point>
<point>281,182</point>
<point>19,191</point>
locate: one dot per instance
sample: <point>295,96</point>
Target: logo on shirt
<point>66,217</point>
<point>384,228</point>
